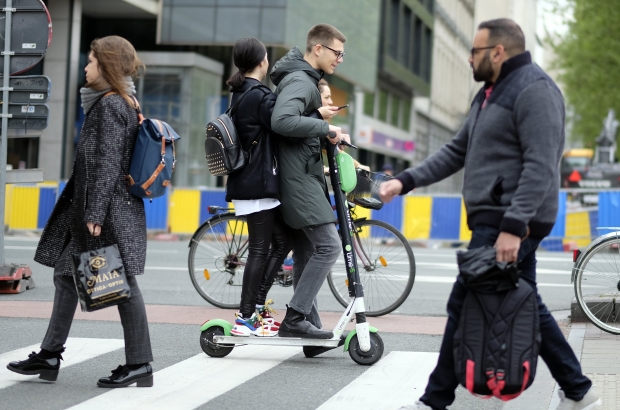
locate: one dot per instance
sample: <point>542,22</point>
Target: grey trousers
<point>315,251</point>
<point>132,312</point>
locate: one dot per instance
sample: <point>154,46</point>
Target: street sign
<point>32,117</point>
<point>33,89</point>
<point>31,34</point>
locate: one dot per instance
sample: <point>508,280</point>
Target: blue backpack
<point>153,158</point>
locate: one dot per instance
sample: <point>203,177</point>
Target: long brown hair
<point>117,59</point>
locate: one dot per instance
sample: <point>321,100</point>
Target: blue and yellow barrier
<point>418,217</point>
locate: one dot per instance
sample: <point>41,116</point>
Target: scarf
<point>90,96</point>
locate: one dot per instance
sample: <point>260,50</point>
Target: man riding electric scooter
<point>303,187</point>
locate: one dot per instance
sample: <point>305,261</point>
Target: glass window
<point>383,105</point>
<point>417,46</point>
<point>428,51</point>
<point>395,111</point>
<point>407,29</point>
<point>369,104</point>
<point>394,17</point>
<point>406,108</point>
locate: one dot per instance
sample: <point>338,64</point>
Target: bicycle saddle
<point>370,203</point>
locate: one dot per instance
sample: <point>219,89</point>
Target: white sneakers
<point>590,401</point>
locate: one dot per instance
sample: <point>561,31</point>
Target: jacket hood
<point>291,62</point>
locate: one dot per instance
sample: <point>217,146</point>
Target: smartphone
<point>344,106</point>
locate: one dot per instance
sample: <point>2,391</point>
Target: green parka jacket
<point>302,184</point>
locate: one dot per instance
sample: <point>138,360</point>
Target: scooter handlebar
<point>332,135</point>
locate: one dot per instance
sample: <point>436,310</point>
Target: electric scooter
<point>364,344</point>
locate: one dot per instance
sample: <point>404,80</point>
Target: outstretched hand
<point>389,189</point>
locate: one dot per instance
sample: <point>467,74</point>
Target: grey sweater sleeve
<point>539,117</point>
<point>443,163</point>
<point>288,114</point>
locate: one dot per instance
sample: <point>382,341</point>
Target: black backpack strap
<point>236,104</point>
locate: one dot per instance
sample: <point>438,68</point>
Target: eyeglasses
<point>476,49</point>
<point>339,54</point>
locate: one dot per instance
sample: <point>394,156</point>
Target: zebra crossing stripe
<point>77,351</point>
<point>195,381</point>
<point>396,380</point>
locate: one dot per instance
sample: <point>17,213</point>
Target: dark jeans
<point>265,228</point>
<point>554,348</point>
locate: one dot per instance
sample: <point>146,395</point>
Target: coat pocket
<point>497,190</point>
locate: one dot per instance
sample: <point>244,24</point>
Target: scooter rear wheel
<point>370,357</point>
<point>211,348</point>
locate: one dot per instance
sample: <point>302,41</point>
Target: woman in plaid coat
<point>95,210</point>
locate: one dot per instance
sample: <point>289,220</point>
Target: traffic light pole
<point>5,121</point>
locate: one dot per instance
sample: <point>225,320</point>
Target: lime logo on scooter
<point>348,248</point>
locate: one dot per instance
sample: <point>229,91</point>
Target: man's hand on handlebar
<point>335,134</point>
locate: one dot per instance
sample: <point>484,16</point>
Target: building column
<point>61,66</point>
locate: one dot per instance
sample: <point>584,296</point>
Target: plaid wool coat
<point>96,192</point>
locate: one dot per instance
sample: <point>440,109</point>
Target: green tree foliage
<point>589,62</point>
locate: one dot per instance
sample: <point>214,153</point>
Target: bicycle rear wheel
<point>216,261</point>
<point>597,283</point>
<point>386,265</point>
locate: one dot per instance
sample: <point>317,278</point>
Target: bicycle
<point>596,277</point>
<point>218,253</point>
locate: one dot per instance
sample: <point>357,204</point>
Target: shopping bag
<point>100,278</point>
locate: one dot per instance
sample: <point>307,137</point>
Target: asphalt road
<point>275,378</point>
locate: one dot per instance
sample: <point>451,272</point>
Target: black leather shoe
<point>47,369</point>
<point>314,351</point>
<point>122,376</point>
<point>296,325</point>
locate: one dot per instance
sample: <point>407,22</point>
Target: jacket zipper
<point>229,137</point>
<point>275,164</point>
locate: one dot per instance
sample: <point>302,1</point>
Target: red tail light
<point>575,176</point>
<point>576,254</point>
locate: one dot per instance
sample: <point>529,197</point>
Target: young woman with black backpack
<point>255,189</point>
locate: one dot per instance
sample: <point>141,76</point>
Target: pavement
<point>186,378</point>
<point>597,351</point>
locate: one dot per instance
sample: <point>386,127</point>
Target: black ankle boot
<point>123,376</point>
<point>296,325</point>
<point>47,368</point>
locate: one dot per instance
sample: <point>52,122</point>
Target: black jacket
<point>260,178</point>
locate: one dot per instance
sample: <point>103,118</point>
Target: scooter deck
<point>274,341</point>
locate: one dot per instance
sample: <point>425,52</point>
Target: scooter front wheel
<point>211,348</point>
<point>370,357</point>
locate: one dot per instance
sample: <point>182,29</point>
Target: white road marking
<point>195,381</point>
<point>77,350</point>
<point>396,380</point>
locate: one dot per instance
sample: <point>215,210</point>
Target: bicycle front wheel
<point>386,266</point>
<point>597,283</point>
<point>217,256</point>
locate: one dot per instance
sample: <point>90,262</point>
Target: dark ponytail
<point>247,54</point>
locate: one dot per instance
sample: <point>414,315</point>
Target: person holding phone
<point>327,111</point>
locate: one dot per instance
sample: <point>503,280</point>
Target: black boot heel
<point>145,381</point>
<point>49,375</point>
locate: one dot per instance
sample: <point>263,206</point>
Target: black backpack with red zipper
<point>497,342</point>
